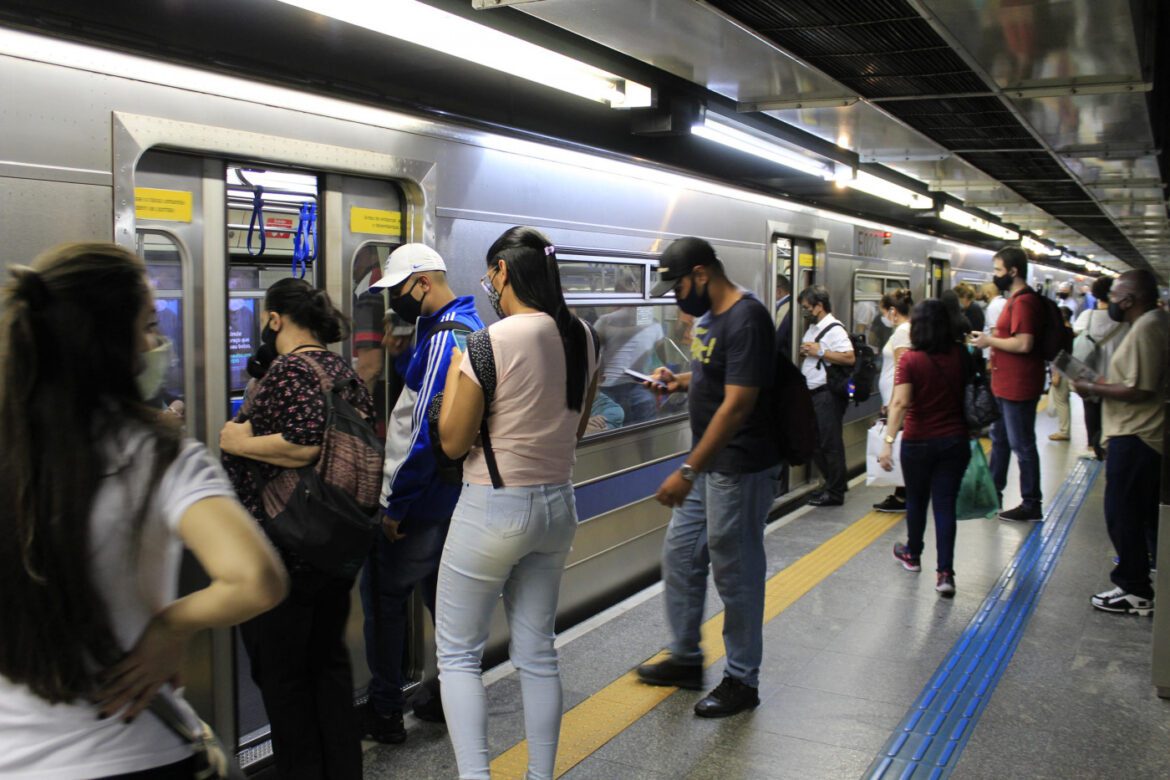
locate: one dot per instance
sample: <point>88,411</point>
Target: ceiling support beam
<point>1068,89</point>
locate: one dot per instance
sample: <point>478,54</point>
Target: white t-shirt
<point>994,309</point>
<point>836,340</point>
<point>898,339</point>
<point>41,740</point>
<point>1099,326</point>
<point>533,431</point>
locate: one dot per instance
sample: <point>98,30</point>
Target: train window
<point>602,278</point>
<point>369,324</point>
<point>164,269</point>
<point>639,338</point>
<point>868,289</point>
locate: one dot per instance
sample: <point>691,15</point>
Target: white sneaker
<point>1118,600</point>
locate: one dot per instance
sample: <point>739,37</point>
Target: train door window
<point>636,333</point>
<point>938,277</point>
<point>372,321</point>
<point>164,268</point>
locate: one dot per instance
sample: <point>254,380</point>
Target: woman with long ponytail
<point>524,387</point>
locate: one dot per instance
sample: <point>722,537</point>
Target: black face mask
<point>696,303</point>
<point>262,358</point>
<point>1003,283</point>
<point>406,307</point>
<point>1062,296</point>
<point>1116,313</point>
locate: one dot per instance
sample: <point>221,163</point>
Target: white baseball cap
<point>406,260</point>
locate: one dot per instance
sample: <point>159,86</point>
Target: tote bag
<point>874,473</point>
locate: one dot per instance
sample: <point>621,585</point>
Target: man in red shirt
<point>1017,380</point>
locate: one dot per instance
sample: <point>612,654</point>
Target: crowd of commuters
<point>476,500</point>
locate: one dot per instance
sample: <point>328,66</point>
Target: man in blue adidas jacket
<point>416,504</point>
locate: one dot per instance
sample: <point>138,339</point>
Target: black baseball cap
<point>678,260</point>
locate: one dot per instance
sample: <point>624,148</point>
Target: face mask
<point>258,364</point>
<point>887,321</point>
<point>1116,313</point>
<point>406,307</point>
<point>809,317</point>
<point>492,294</point>
<point>695,304</point>
<point>155,363</point>
<point>1062,296</point>
<point>1003,283</point>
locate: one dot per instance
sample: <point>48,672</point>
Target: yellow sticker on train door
<point>163,205</point>
<point>937,272</point>
<point>375,221</point>
<point>806,261</point>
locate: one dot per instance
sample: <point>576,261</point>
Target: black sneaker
<point>909,562</point>
<point>945,584</point>
<point>1118,600</point>
<point>1022,514</point>
<point>731,696</point>
<point>824,499</point>
<point>891,504</point>
<point>671,672</point>
<point>429,707</point>
<point>387,729</point>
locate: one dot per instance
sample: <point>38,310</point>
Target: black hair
<point>308,307</point>
<point>959,322</point>
<point>932,328</point>
<point>783,285</point>
<point>1144,284</point>
<point>1014,257</point>
<point>1101,288</point>
<point>536,281</point>
<point>818,293</point>
<point>901,299</point>
<point>70,333</point>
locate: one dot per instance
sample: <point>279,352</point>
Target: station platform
<point>867,672</point>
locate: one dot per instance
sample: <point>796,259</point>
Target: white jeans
<point>512,541</point>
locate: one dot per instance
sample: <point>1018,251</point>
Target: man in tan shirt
<point>1134,396</point>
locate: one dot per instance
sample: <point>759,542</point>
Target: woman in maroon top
<point>928,397</point>
<point>297,651</point>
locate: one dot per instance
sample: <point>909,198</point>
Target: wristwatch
<point>686,472</point>
<point>889,439</point>
<point>821,354</point>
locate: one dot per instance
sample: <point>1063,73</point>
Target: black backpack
<point>794,420</point>
<point>1053,336</point>
<point>327,512</point>
<point>852,383</point>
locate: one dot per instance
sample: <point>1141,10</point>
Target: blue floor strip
<point>930,739</point>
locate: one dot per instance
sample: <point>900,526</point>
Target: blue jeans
<point>933,471</point>
<point>1133,472</point>
<point>513,541</point>
<point>636,401</point>
<point>721,525</point>
<point>389,577</point>
<point>1015,431</point>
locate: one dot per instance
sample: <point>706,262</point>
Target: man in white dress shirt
<point>825,343</point>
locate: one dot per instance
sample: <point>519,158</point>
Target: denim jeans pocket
<point>723,480</point>
<point>508,513</point>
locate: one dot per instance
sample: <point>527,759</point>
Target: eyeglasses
<point>485,282</point>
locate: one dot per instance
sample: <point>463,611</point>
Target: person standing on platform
<point>825,342</point>
<point>723,491</point>
<point>1133,397</point>
<point>1096,325</point>
<point>416,503</point>
<point>1065,298</point>
<point>896,306</point>
<point>971,310</point>
<point>1058,392</point>
<point>784,316</point>
<point>1017,381</point>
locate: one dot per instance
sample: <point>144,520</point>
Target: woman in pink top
<point>525,388</point>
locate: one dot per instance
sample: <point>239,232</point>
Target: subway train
<point>225,185</point>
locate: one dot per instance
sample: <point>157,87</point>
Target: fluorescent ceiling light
<point>1073,260</point>
<point>719,131</point>
<point>969,220</point>
<point>421,24</point>
<point>1039,247</point>
<point>887,190</point>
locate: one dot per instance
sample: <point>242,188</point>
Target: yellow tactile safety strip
<point>613,709</point>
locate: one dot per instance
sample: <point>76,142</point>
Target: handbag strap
<point>483,364</point>
<point>165,709</point>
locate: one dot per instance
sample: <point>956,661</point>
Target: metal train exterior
<point>84,130</point>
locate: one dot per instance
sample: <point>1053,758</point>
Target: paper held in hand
<point>1073,369</point>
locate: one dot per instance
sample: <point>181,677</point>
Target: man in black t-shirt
<point>722,492</point>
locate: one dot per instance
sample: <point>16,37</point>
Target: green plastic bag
<point>977,496</point>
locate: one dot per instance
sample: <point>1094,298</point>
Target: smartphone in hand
<point>645,378</point>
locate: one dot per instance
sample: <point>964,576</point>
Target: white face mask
<point>155,363</point>
<point>887,321</point>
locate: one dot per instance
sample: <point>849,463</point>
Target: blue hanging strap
<point>257,221</point>
<point>305,240</point>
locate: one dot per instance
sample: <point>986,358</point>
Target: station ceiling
<point>1047,115</point>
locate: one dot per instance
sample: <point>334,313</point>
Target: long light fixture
<point>426,26</point>
<point>1073,260</point>
<point>721,132</point>
<point>969,220</point>
<point>880,188</point>
<point>1039,247</point>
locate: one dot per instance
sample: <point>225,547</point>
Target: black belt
<point>821,389</point>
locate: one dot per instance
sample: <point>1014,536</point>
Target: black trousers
<point>830,453</point>
<point>1132,473</point>
<point>1093,425</point>
<point>301,665</point>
